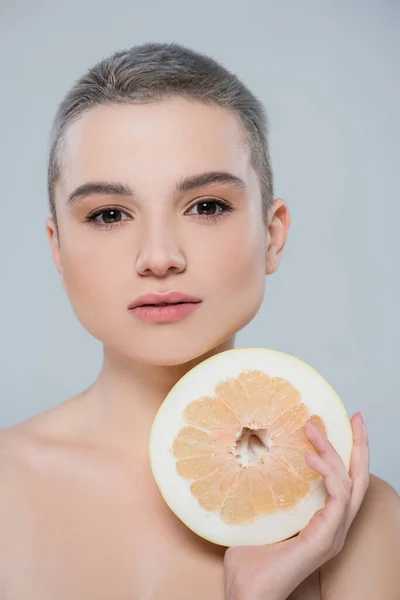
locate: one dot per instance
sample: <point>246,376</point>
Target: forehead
<point>150,143</point>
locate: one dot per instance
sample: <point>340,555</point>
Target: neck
<point>125,397</point>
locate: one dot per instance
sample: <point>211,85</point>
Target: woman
<point>160,183</point>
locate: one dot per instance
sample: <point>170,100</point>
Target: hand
<point>273,571</point>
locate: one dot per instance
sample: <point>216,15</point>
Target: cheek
<point>237,267</point>
<point>96,278</point>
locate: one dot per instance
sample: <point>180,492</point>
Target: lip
<point>159,298</point>
<point>165,314</point>
<point>177,307</point>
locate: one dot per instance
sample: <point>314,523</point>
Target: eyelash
<point>226,208</point>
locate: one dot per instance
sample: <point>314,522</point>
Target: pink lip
<point>178,306</point>
<point>168,297</point>
<point>164,314</point>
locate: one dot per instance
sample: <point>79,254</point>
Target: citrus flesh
<point>227,446</point>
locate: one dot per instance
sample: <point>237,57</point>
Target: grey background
<point>327,73</point>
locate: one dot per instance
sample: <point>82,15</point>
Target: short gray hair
<point>152,72</point>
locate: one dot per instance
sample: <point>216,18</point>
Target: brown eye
<point>107,217</point>
<point>209,208</point>
<point>111,215</point>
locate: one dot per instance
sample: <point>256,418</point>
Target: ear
<point>278,227</point>
<point>52,234</point>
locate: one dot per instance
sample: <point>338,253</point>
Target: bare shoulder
<point>16,476</point>
<point>23,449</point>
<point>382,496</point>
<point>368,565</point>
<point>19,450</point>
<point>28,452</point>
<point>15,455</point>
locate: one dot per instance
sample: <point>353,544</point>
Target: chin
<point>188,353</point>
<point>168,348</point>
<point>173,345</point>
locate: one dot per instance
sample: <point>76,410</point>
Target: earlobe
<point>279,222</point>
<point>53,239</point>
<point>272,262</point>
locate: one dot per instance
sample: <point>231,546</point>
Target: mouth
<point>161,300</point>
<point>165,307</point>
<point>166,304</point>
<point>164,312</point>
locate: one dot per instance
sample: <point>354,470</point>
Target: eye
<point>209,208</point>
<point>109,217</point>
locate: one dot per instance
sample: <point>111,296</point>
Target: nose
<point>160,253</point>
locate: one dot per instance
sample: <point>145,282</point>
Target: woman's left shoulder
<point>379,488</point>
<point>380,510</point>
<point>368,565</point>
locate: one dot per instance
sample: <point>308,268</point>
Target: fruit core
<point>251,446</point>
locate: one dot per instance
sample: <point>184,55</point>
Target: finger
<point>330,521</point>
<point>359,465</point>
<point>338,484</point>
<point>326,530</point>
<point>323,447</point>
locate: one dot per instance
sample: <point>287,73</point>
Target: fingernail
<point>363,421</point>
<point>313,425</point>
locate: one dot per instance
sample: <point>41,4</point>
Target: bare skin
<point>80,515</point>
<point>83,521</point>
<point>79,520</point>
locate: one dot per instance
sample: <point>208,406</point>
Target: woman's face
<point>159,239</point>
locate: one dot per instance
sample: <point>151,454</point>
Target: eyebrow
<point>185,185</point>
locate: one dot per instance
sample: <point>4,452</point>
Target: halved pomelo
<point>227,446</point>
